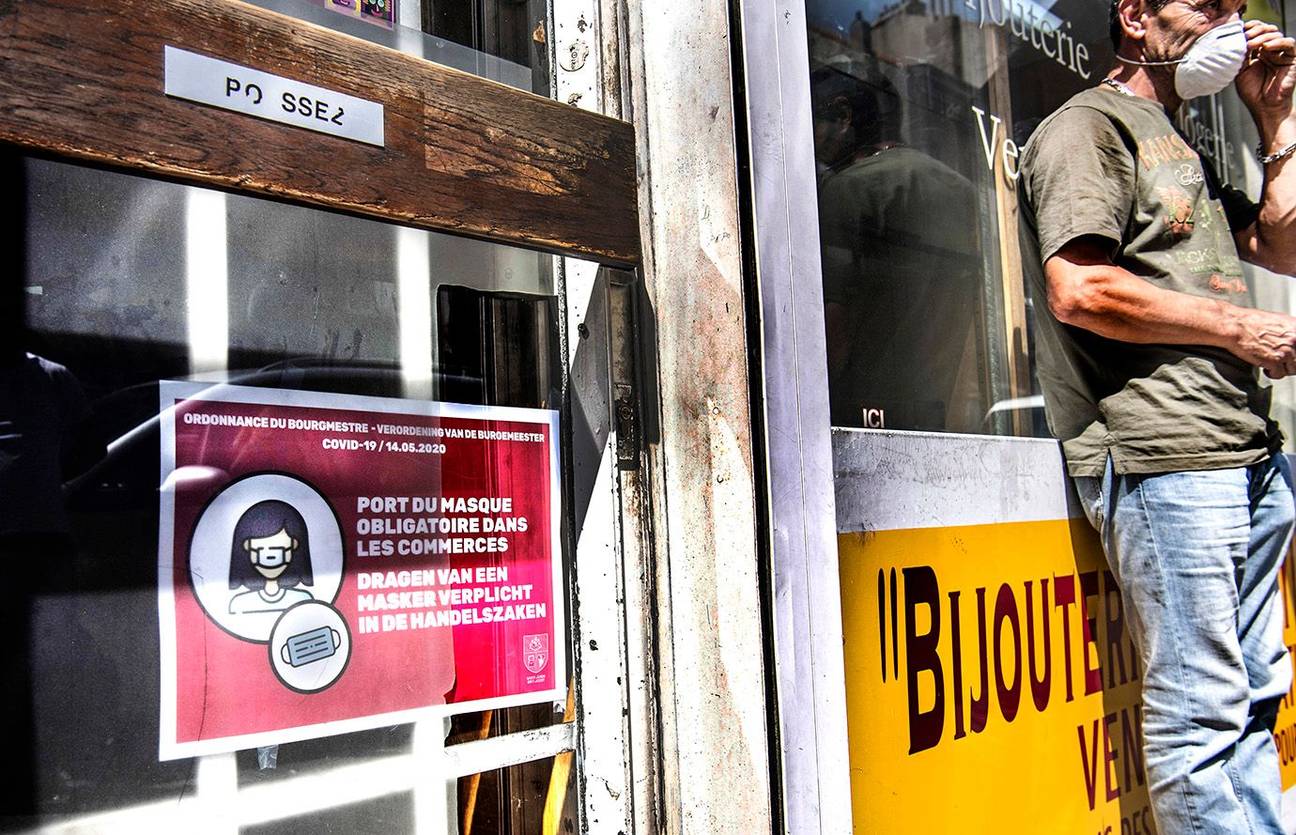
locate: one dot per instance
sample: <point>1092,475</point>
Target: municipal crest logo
<point>535,652</point>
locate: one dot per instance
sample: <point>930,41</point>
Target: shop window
<point>920,110</point>
<point>130,285</point>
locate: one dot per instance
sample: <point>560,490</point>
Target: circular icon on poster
<point>263,545</point>
<point>310,647</point>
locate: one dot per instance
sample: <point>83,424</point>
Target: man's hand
<point>1268,76</point>
<point>1266,340</point>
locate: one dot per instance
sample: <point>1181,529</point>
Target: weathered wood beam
<point>463,154</point>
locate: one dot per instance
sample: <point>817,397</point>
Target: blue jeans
<point>1196,555</point>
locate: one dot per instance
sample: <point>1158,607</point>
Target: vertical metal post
<point>409,14</point>
<point>806,595</point>
<point>434,793</point>
<point>435,789</point>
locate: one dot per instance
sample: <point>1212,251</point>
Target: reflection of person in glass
<point>900,264</point>
<point>270,557</point>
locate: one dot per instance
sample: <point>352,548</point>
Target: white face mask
<point>1210,64</point>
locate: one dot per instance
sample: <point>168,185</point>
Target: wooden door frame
<point>463,154</point>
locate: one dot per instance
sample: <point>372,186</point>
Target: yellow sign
<point>1285,729</point>
<point>992,687</point>
<point>990,683</point>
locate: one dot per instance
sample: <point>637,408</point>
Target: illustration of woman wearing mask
<point>269,556</point>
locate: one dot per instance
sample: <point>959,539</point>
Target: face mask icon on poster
<point>311,646</point>
<point>1210,64</point>
<point>270,557</point>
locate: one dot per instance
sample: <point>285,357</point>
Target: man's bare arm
<point>1270,242</point>
<point>1086,290</point>
<point>1265,86</point>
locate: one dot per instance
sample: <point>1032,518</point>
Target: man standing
<point>1149,357</point>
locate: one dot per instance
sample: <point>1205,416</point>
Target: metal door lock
<point>627,428</point>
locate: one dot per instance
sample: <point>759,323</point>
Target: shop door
<point>317,401</point>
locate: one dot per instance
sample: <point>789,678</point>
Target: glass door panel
<point>131,287</point>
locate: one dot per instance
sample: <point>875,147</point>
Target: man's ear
<point>840,109</point>
<point>247,545</point>
<point>1130,15</point>
<point>294,545</point>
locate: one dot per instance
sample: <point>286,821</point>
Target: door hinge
<point>625,394</point>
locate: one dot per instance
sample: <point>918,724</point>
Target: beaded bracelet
<point>1265,159</point>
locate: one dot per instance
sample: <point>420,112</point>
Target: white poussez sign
<point>253,92</point>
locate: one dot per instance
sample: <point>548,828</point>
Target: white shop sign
<point>242,89</point>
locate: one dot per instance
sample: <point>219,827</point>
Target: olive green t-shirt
<point>1110,165</point>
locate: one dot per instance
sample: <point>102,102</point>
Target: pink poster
<point>329,563</point>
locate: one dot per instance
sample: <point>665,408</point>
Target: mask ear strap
<point>1125,60</point>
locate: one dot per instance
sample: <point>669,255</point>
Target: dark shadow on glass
<point>523,800</point>
<point>901,264</point>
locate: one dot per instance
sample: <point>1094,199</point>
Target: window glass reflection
<point>900,265</point>
<point>121,282</point>
<point>920,111</point>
